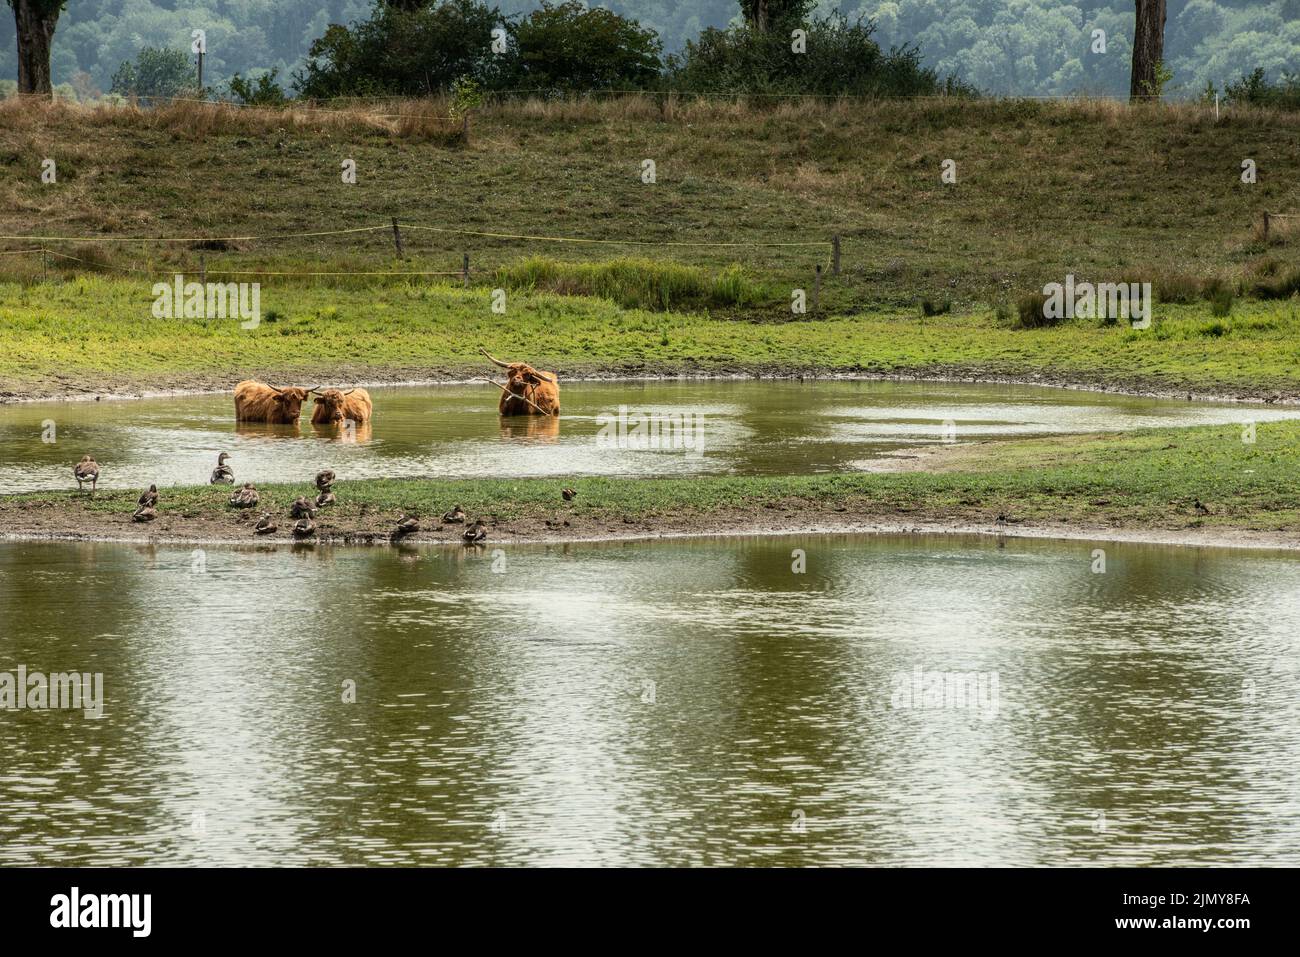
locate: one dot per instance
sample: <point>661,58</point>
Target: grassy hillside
<point>1094,188</point>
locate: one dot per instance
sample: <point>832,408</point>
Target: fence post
<point>835,255</point>
<point>397,238</point>
<point>203,270</point>
<point>43,278</point>
<point>201,96</point>
<point>817,287</point>
<point>1266,226</point>
<point>464,270</point>
<point>464,126</point>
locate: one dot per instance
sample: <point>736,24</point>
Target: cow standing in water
<point>527,391</point>
<point>334,406</point>
<point>256,402</point>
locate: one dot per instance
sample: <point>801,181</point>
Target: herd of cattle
<point>527,391</point>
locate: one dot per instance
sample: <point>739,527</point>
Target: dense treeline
<point>1027,47</point>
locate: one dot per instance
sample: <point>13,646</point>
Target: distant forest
<point>1019,47</point>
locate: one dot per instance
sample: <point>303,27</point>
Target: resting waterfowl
<point>265,526</point>
<point>455,517</point>
<point>302,508</point>
<point>304,528</point>
<point>569,494</point>
<point>325,498</point>
<point>148,498</point>
<point>87,470</point>
<point>223,474</point>
<point>144,513</point>
<point>245,497</point>
<point>476,534</point>
<point>1200,509</point>
<point>324,480</point>
<point>406,525</point>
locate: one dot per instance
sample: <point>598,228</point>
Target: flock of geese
<point>303,510</point>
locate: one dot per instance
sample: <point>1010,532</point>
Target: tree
<point>572,48</point>
<point>34,21</point>
<point>1148,50</point>
<point>155,74</point>
<point>762,14</point>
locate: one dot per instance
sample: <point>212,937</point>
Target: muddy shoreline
<point>116,388</point>
<point>67,523</point>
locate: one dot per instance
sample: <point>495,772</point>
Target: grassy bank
<point>1144,481</point>
<point>1043,189</point>
<point>97,336</point>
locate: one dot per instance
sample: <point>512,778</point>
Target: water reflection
<point>750,428</point>
<point>684,703</point>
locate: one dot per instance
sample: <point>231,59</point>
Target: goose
<point>145,513</point>
<point>476,534</point>
<point>1200,509</point>
<point>265,526</point>
<point>406,525</point>
<point>148,498</point>
<point>455,517</point>
<point>87,470</point>
<point>569,494</point>
<point>324,480</point>
<point>245,497</point>
<point>304,528</point>
<point>223,474</point>
<point>302,508</point>
<point>325,498</point>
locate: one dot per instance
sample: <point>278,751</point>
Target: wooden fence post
<point>817,287</point>
<point>203,270</point>
<point>397,238</point>
<point>464,270</point>
<point>1266,226</point>
<point>835,255</point>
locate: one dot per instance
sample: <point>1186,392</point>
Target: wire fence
<point>214,244</point>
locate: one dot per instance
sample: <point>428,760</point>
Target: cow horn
<point>546,378</point>
<point>313,389</point>
<point>350,391</point>
<point>503,365</point>
<point>274,389</point>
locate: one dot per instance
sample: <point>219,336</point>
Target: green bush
<point>841,57</point>
<point>156,74</point>
<point>633,283</point>
<point>1254,89</point>
<point>262,92</point>
<point>569,48</point>
<point>1031,312</point>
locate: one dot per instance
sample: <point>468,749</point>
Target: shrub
<point>416,51</point>
<point>931,307</point>
<point>1254,89</point>
<point>632,283</point>
<point>262,92</point>
<point>1031,312</point>
<point>841,57</point>
<point>569,48</point>
<point>156,74</point>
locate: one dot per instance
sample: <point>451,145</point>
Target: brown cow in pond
<point>527,391</point>
<point>334,406</point>
<point>257,402</point>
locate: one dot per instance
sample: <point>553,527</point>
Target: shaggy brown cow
<point>527,391</point>
<point>255,402</point>
<point>334,407</point>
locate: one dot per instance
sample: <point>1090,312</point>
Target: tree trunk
<point>35,20</point>
<point>755,11</point>
<point>1148,49</point>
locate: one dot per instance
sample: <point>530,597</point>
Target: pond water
<point>669,703</point>
<point>749,428</point>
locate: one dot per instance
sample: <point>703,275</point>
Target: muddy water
<point>749,428</point>
<point>670,703</point>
